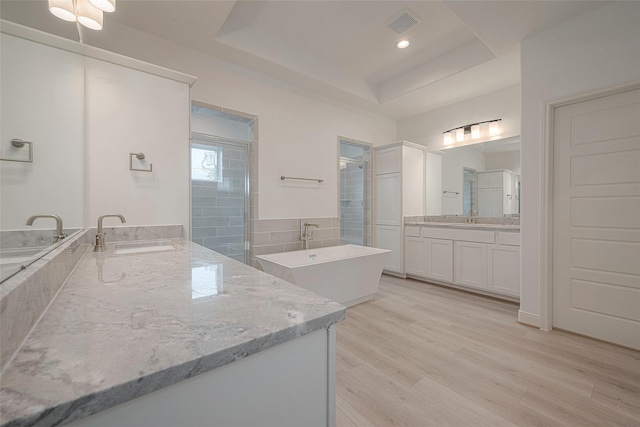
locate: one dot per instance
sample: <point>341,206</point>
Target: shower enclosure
<point>355,193</point>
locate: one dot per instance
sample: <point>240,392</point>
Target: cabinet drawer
<point>508,238</point>
<point>412,231</point>
<point>479,236</point>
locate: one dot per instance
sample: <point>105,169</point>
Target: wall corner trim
<point>528,319</point>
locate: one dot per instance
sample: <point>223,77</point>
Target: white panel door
<point>596,218</point>
<point>496,196</point>
<point>440,260</point>
<point>388,160</point>
<point>389,237</point>
<point>503,272</point>
<point>389,199</point>
<point>471,264</point>
<point>415,256</point>
<point>484,202</point>
<point>495,179</point>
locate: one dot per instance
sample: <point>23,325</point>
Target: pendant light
<point>86,12</point>
<point>104,5</point>
<point>63,9</point>
<point>88,15</point>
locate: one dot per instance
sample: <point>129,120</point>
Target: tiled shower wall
<point>352,204</point>
<point>356,204</point>
<point>270,236</point>
<point>217,215</point>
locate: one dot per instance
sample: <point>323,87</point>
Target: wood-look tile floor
<point>424,355</point>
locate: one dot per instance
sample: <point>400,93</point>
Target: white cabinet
<point>504,269</point>
<point>390,237</point>
<point>481,259</point>
<point>415,258</point>
<point>471,264</point>
<point>440,259</point>
<point>388,187</point>
<point>399,192</point>
<point>503,261</point>
<point>494,193</point>
<point>388,160</point>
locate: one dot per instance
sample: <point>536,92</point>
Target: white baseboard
<point>529,319</point>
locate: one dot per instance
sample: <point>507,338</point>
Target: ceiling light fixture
<point>86,12</point>
<point>403,43</point>
<point>474,129</point>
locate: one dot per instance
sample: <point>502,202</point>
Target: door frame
<point>546,202</point>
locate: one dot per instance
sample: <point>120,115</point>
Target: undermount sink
<point>142,247</point>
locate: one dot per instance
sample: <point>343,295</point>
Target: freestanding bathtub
<point>347,274</point>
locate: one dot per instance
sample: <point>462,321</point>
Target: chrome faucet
<point>59,228</point>
<point>99,246</point>
<point>306,235</point>
<point>471,218</point>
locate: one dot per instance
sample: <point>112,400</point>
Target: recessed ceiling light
<point>403,43</point>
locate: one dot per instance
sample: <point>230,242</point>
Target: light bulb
<point>493,129</point>
<point>448,138</point>
<point>402,44</point>
<point>63,9</point>
<point>459,134</point>
<point>475,131</point>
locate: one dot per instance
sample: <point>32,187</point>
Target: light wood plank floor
<point>422,355</point>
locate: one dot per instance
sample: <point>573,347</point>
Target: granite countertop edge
<point>43,413</point>
<point>95,402</point>
<point>465,226</point>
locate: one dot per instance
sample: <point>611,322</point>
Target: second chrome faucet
<point>99,246</point>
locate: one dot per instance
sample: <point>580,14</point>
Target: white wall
<point>42,102</point>
<point>427,128</point>
<point>594,51</point>
<point>128,111</point>
<point>297,134</point>
<point>506,160</point>
<point>454,161</point>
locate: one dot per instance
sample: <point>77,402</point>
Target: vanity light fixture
<point>474,129</point>
<point>403,44</point>
<point>493,129</point>
<point>86,12</point>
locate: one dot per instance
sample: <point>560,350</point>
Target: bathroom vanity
<point>484,258</point>
<point>165,332</point>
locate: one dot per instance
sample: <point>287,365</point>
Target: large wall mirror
<point>482,179</point>
<point>41,146</point>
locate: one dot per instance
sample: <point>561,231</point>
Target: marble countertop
<point>466,226</point>
<point>127,323</point>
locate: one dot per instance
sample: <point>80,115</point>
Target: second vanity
<point>165,332</point>
<point>484,258</point>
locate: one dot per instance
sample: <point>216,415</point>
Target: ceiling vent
<point>401,23</point>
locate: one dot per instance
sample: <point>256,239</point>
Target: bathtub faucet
<point>307,235</point>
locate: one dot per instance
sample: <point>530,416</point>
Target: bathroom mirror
<point>41,146</point>
<point>482,179</point>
